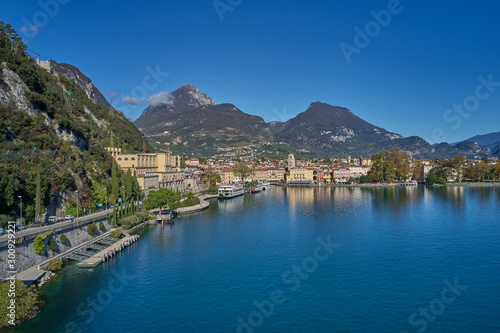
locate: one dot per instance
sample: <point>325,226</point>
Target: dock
<point>108,253</point>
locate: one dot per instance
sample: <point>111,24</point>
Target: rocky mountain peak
<point>189,96</point>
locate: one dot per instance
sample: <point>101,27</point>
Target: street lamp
<point>21,208</point>
<point>105,189</point>
<point>77,204</point>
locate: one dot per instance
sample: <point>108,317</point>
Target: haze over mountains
<point>190,121</point>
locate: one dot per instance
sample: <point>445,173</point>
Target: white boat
<point>231,191</point>
<point>265,186</point>
<point>256,189</point>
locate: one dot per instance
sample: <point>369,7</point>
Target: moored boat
<point>266,186</point>
<point>231,191</point>
<point>256,189</point>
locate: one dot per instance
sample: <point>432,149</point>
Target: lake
<point>332,259</point>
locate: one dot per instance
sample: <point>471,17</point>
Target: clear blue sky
<point>274,58</point>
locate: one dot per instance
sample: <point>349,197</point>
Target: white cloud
<point>160,98</point>
<point>130,100</point>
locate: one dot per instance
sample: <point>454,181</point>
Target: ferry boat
<point>231,191</point>
<point>265,186</point>
<point>256,189</point>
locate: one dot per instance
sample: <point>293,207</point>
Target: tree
<point>242,170</point>
<point>398,163</point>
<point>115,181</point>
<point>38,185</point>
<point>432,178</point>
<point>496,170</point>
<point>457,163</point>
<point>377,172</point>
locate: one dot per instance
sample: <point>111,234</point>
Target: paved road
<point>58,225</point>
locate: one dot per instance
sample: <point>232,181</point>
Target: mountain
<point>53,135</point>
<point>153,119</point>
<point>326,128</point>
<point>190,121</point>
<point>72,73</point>
<point>491,141</point>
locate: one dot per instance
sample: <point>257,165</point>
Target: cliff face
<point>72,73</point>
<point>12,91</point>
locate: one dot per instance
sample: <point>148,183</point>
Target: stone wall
<point>25,251</point>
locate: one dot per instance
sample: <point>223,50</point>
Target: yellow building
<point>227,176</point>
<point>148,181</point>
<point>143,162</point>
<point>327,177</point>
<point>300,175</point>
<point>260,175</point>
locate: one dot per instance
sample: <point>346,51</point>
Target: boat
<point>231,191</point>
<point>256,189</point>
<point>265,186</point>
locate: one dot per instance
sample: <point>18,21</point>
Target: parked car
<point>52,219</point>
<point>36,224</point>
<point>69,217</point>
<point>20,227</point>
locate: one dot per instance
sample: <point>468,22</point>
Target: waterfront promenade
<point>196,208</point>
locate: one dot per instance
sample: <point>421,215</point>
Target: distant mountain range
<point>491,141</point>
<point>190,120</point>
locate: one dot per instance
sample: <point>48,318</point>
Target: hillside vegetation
<point>57,142</point>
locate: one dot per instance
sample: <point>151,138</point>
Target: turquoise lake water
<point>299,260</point>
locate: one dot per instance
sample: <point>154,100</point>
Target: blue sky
<point>404,72</point>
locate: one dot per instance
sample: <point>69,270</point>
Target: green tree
<point>378,167</point>
<point>432,178</point>
<point>38,185</point>
<point>242,170</point>
<point>27,303</point>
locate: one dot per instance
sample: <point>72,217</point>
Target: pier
<point>105,254</point>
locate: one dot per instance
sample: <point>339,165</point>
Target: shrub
<point>91,228</point>
<point>54,265</point>
<point>116,233</point>
<point>63,239</point>
<point>51,244</point>
<point>101,225</point>
<point>130,221</point>
<point>39,244</point>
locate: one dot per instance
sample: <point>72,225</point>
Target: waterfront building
<point>426,169</point>
<point>144,162</point>
<point>300,175</point>
<point>148,182</point>
<point>227,176</point>
<point>358,171</point>
<point>276,175</point>
<point>341,175</point>
<point>260,175</point>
